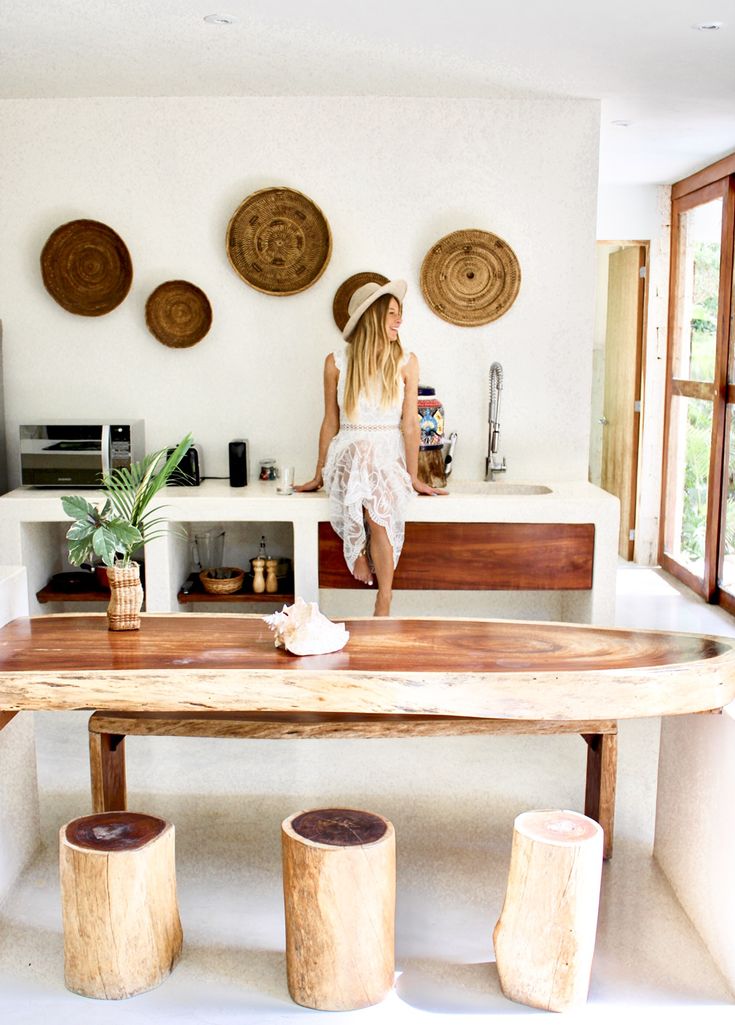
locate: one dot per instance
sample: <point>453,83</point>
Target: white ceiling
<point>642,58</point>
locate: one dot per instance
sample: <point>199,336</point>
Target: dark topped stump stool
<point>122,933</point>
<point>545,936</point>
<point>339,888</point>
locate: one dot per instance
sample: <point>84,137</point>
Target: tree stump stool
<point>545,936</point>
<point>339,890</point>
<point>122,933</point>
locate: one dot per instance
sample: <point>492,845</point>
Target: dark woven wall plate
<point>470,277</point>
<point>279,241</point>
<point>347,289</point>
<point>86,267</point>
<point>178,314</point>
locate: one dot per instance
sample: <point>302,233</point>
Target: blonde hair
<point>373,361</point>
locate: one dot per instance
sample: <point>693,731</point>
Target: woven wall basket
<point>178,314</point>
<point>347,289</point>
<point>86,267</point>
<point>470,277</point>
<point>279,242</point>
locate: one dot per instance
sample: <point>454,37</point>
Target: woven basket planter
<point>126,597</point>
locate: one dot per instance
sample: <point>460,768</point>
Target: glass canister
<point>431,418</point>
<point>268,470</point>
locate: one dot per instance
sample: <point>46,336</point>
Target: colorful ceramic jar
<point>431,418</point>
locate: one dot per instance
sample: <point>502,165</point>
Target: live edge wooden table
<point>220,675</point>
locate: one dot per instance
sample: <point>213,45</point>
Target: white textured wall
<point>627,213</point>
<point>391,175</point>
<point>19,812</point>
<point>695,825</point>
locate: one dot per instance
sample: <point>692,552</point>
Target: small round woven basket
<point>178,314</point>
<point>86,267</point>
<point>226,585</point>
<point>279,241</point>
<point>347,289</point>
<point>470,277</point>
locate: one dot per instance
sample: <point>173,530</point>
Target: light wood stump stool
<point>122,933</point>
<point>545,936</point>
<point>339,891</point>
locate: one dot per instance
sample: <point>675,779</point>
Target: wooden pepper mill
<point>271,580</point>
<point>258,578</point>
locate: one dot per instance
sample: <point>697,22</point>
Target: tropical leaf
<point>77,507</point>
<point>81,529</point>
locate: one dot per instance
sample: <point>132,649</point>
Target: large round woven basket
<point>470,277</point>
<point>347,289</point>
<point>86,267</point>
<point>178,314</point>
<point>279,241</point>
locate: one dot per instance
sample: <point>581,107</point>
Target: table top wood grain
<point>475,668</point>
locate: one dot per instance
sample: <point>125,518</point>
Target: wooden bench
<point>107,732</point>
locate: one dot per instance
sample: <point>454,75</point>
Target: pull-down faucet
<point>494,464</point>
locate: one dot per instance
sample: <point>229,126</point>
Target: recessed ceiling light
<point>621,124</point>
<point>220,19</point>
<point>708,26</point>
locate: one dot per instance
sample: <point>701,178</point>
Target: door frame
<point>638,415</point>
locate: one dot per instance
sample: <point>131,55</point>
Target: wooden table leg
<point>107,771</point>
<point>5,718</point>
<point>599,798</point>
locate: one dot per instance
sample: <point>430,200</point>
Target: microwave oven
<point>76,453</point>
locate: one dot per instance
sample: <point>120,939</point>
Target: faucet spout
<point>493,463</point>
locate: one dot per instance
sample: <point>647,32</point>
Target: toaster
<point>188,473</point>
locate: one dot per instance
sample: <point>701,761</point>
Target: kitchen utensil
<point>449,453</point>
<point>208,549</point>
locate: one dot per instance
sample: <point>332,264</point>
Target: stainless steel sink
<point>490,488</point>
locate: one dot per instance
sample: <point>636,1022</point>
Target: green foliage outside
<point>703,334</point>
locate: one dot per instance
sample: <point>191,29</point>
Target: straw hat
<point>365,296</point>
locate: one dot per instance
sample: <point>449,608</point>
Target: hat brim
<point>396,288</point>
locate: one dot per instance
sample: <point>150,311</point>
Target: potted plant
<point>117,529</point>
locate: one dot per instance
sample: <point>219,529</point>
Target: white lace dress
<point>366,469</point>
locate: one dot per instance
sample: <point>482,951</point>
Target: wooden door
<point>621,410</point>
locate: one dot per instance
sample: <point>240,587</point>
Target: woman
<point>369,438</point>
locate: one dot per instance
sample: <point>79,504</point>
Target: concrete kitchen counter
<point>32,528</point>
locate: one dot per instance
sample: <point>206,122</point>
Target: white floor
<point>452,801</point>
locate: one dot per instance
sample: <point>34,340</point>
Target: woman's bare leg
<point>381,553</point>
<point>361,570</point>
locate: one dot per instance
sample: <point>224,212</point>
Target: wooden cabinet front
<point>478,557</point>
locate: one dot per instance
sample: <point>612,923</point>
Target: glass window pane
<point>698,285</point>
<point>727,542</point>
<point>690,438</point>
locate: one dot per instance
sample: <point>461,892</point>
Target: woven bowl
<point>227,585</point>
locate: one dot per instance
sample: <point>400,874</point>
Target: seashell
<point>303,630</point>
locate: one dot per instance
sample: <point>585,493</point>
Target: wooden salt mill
<point>258,578</point>
<point>271,580</point>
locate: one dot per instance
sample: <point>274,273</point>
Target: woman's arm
<point>410,427</point>
<point>330,423</point>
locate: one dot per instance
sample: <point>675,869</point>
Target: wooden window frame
<point>703,187</point>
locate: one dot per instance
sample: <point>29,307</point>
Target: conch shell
<point>303,630</point>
